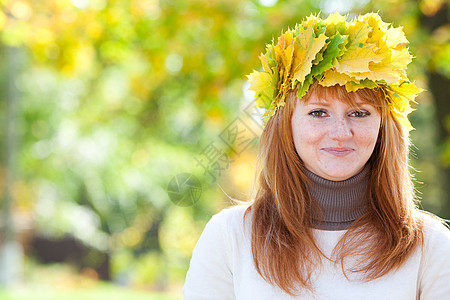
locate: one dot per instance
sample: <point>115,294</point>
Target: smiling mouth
<point>340,152</point>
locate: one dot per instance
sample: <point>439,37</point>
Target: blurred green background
<point>104,103</point>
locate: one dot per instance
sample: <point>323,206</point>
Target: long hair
<point>283,246</point>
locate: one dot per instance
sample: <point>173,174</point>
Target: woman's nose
<point>340,129</point>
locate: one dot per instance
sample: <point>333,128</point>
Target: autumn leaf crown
<point>363,53</point>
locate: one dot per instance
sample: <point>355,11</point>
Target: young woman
<point>334,214</point>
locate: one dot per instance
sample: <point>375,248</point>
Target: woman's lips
<point>338,151</point>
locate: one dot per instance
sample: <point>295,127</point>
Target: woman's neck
<point>340,202</point>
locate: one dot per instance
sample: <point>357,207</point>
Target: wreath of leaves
<point>363,53</point>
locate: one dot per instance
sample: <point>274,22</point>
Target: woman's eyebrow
<point>363,104</point>
<point>327,103</point>
<point>321,103</point>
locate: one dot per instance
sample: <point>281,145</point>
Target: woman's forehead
<point>339,93</point>
<point>326,100</point>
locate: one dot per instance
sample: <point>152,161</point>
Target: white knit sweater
<point>222,267</point>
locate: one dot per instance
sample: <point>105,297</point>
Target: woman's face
<point>333,139</point>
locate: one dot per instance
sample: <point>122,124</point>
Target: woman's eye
<point>318,113</point>
<point>360,113</point>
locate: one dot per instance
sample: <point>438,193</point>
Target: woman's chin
<point>339,173</point>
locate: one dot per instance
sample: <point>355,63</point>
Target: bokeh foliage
<point>117,97</point>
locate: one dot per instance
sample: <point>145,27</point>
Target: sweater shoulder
<point>435,230</point>
<point>233,212</point>
<point>436,236</point>
<point>435,264</point>
<point>234,218</point>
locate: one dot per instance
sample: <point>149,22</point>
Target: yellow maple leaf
<point>401,96</point>
<point>265,64</point>
<point>400,58</point>
<point>403,93</point>
<point>395,38</point>
<point>359,53</point>
<point>335,23</point>
<point>358,60</point>
<point>306,47</point>
<point>406,124</point>
<point>353,86</point>
<point>261,83</point>
<point>373,19</point>
<point>379,72</point>
<point>331,77</point>
<point>378,27</point>
<point>391,69</point>
<point>335,18</point>
<point>258,80</point>
<point>284,51</point>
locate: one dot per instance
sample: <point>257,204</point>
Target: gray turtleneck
<point>341,202</point>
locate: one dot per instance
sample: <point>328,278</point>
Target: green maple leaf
<point>332,51</point>
<point>304,87</point>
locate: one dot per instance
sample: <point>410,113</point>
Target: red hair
<point>283,246</point>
